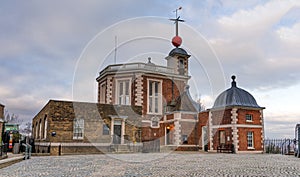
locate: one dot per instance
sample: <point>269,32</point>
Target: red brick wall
<point>243,138</point>
<point>189,129</point>
<point>255,116</point>
<point>216,137</point>
<point>221,117</point>
<point>166,90</point>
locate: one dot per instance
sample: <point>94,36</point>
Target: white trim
<point>138,90</point>
<point>238,126</point>
<point>102,92</point>
<point>160,106</point>
<point>177,131</point>
<point>117,80</point>
<point>235,131</point>
<point>210,131</point>
<point>109,87</point>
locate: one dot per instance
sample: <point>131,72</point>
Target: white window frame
<point>250,140</point>
<point>152,98</point>
<point>154,120</point>
<point>124,87</point>
<point>249,116</point>
<point>78,123</point>
<point>102,93</point>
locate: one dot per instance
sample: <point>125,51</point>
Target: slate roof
<point>235,96</point>
<point>186,103</point>
<point>178,51</point>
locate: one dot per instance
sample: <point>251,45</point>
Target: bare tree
<point>27,129</point>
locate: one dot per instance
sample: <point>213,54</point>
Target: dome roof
<point>178,51</point>
<point>235,96</point>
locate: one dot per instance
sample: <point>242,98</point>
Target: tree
<point>27,129</point>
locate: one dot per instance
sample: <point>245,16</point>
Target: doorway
<point>117,132</point>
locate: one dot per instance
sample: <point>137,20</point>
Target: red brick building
<point>236,119</point>
<point>169,119</point>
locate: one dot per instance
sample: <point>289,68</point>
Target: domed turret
<point>235,96</point>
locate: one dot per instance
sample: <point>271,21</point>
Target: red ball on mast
<point>176,41</point>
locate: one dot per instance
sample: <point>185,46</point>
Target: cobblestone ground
<point>158,164</point>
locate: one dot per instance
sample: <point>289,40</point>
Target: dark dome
<point>235,96</point>
<point>178,51</point>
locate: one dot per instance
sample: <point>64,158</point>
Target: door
<point>117,134</point>
<point>222,137</point>
<point>204,138</point>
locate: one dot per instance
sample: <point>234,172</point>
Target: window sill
<point>249,121</point>
<point>251,148</point>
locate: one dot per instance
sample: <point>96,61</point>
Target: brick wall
<point>243,139</point>
<point>255,116</point>
<point>221,117</point>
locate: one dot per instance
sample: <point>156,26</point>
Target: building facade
<point>236,119</point>
<point>149,106</point>
<point>65,127</point>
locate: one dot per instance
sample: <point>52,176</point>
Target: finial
<point>233,83</point>
<point>149,59</point>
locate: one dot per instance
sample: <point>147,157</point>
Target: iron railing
<point>279,146</point>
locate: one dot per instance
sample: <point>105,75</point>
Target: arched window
<point>40,129</point>
<point>45,126</point>
<point>36,131</point>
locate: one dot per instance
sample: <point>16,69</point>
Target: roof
<point>235,96</point>
<point>70,109</point>
<point>178,51</point>
<point>185,102</point>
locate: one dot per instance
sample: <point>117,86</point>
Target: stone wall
<point>59,118</point>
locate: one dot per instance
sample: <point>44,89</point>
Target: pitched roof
<point>186,103</point>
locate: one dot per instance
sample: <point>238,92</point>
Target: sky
<point>55,50</point>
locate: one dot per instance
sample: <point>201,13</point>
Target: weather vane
<point>176,41</point>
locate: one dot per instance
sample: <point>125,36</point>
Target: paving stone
<point>157,164</point>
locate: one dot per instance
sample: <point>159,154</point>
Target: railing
<point>287,147</point>
<point>279,146</point>
<point>138,66</point>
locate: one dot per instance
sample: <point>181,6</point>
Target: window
<point>250,139</point>
<point>181,67</point>
<point>78,128</point>
<point>155,122</point>
<point>45,127</point>
<point>222,137</point>
<point>105,130</point>
<point>154,97</point>
<point>249,118</point>
<point>184,139</point>
<point>123,92</point>
<point>40,129</point>
<point>102,93</point>
<point>36,131</point>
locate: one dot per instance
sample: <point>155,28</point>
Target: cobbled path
<point>157,164</point>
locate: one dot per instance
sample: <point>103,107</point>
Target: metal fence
<point>279,146</point>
